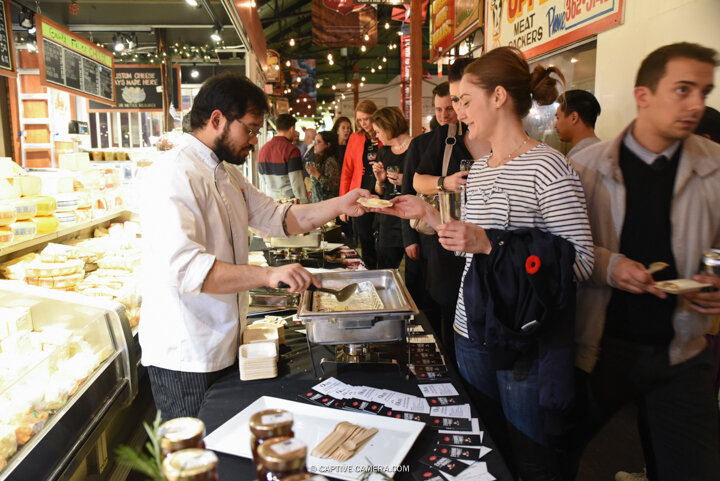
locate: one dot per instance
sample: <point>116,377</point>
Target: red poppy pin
<point>532,264</point>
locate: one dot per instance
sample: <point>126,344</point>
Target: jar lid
<point>190,465</point>
<point>283,454</point>
<point>179,430</point>
<point>270,422</point>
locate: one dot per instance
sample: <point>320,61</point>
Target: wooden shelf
<point>62,232</point>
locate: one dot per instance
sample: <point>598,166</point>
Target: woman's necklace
<point>511,154</point>
<point>402,146</point>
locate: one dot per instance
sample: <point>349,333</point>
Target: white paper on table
<point>415,329</point>
<point>328,385</point>
<point>461,411</point>
<point>476,472</point>
<point>418,405</point>
<point>427,338</point>
<point>365,393</point>
<point>302,331</point>
<point>383,395</point>
<point>439,389</point>
<point>398,401</point>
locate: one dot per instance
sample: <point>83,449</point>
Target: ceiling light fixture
<point>572,60</point>
<point>26,18</point>
<point>118,43</point>
<point>194,73</point>
<point>215,36</point>
<point>192,3</point>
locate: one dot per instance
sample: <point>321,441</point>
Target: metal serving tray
<point>368,326</point>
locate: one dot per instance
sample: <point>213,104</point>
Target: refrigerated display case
<point>67,367</point>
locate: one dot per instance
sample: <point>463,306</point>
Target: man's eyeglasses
<point>254,133</point>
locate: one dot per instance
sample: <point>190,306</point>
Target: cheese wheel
<point>66,217</point>
<point>52,269</point>
<point>25,209</point>
<point>46,224</point>
<point>8,214</point>
<point>6,236</point>
<point>46,205</point>
<point>9,189</point>
<point>30,184</point>
<point>23,230</point>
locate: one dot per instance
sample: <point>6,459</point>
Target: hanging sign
<point>7,65</point>
<point>442,23</point>
<point>71,63</point>
<point>138,87</point>
<point>468,17</point>
<point>405,70</point>
<point>536,26</point>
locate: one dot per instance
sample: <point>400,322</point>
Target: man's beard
<point>224,152</point>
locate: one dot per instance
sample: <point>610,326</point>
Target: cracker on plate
<point>374,202</point>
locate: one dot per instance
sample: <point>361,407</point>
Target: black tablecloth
<point>228,396</point>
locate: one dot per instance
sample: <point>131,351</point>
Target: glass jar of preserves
<point>269,424</point>
<point>281,458</point>
<point>191,465</point>
<point>181,433</point>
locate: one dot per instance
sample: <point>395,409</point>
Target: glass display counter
<point>66,367</point>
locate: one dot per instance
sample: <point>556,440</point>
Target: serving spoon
<point>341,295</point>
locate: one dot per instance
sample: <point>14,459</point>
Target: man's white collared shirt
<point>195,210</point>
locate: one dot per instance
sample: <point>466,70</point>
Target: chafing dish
<point>373,336</point>
<point>361,326</point>
<point>311,239</point>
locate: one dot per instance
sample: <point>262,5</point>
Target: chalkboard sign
<point>7,66</point>
<point>138,87</point>
<point>74,64</point>
<point>91,71</point>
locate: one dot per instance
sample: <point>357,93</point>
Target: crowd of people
<point>550,311</point>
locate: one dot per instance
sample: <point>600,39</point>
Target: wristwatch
<point>440,187</point>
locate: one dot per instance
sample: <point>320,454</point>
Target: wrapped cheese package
<point>46,224</point>
<point>46,205</point>
<point>23,230</point>
<point>25,209</point>
<point>30,185</point>
<point>6,236</point>
<point>8,214</point>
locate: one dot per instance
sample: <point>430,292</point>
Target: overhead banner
<point>343,24</point>
<point>536,27</point>
<point>402,13</point>
<point>273,70</point>
<point>303,80</point>
<point>442,26</point>
<point>468,17</point>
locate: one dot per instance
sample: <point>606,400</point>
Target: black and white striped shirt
<point>536,189</point>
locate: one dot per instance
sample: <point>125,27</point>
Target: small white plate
<point>311,424</point>
<point>681,286</point>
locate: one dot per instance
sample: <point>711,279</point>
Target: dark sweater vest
<point>646,238</point>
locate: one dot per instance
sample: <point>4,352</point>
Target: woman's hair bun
<point>543,86</point>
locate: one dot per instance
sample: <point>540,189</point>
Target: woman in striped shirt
<point>521,184</point>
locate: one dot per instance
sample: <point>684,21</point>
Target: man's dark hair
<point>582,102</point>
<point>456,69</point>
<point>284,122</point>
<point>652,69</point>
<point>441,90</point>
<point>230,93</point>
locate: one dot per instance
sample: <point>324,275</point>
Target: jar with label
<point>710,263</point>
<point>181,433</point>
<point>269,424</point>
<point>280,459</point>
<point>191,465</point>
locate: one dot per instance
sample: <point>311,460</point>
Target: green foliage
<point>150,463</point>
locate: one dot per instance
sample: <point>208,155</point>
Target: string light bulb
<point>387,26</point>
<point>292,42</point>
<point>363,48</point>
<point>288,63</point>
<point>348,85</point>
<point>366,37</point>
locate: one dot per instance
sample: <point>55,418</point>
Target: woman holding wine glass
<point>391,129</point>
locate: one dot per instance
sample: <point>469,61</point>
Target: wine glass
<point>394,169</point>
<point>466,165</point>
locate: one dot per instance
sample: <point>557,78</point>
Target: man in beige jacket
<point>653,195</point>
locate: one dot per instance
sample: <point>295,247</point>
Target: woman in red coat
<point>360,155</point>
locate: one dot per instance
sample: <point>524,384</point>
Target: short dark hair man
<point>196,211</point>
<point>280,163</point>
<point>575,119</point>
<point>652,196</point>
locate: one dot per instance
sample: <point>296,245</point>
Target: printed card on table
<point>439,389</point>
<point>427,473</point>
<point>458,452</point>
<point>451,466</point>
<point>457,439</point>
<point>459,411</point>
